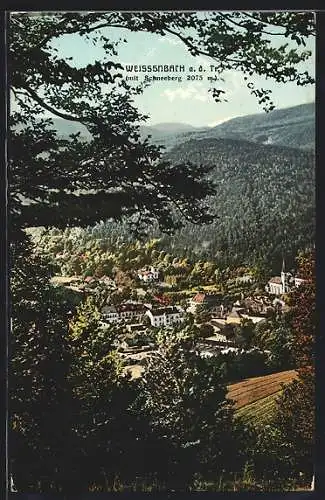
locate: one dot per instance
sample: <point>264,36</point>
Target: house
<point>110,314</point>
<point>217,340</point>
<point>89,279</point>
<point>218,322</point>
<point>234,317</point>
<point>253,319</point>
<point>298,281</point>
<point>247,278</point>
<point>148,275</point>
<point>173,279</point>
<point>135,327</point>
<point>228,350</point>
<point>65,280</point>
<point>254,305</point>
<point>123,312</point>
<point>213,345</point>
<point>109,282</point>
<point>203,299</point>
<point>130,310</point>
<point>279,285</point>
<point>162,299</point>
<point>275,286</point>
<point>165,316</point>
<point>285,283</point>
<point>236,312</point>
<point>278,303</point>
<point>219,311</point>
<point>134,371</point>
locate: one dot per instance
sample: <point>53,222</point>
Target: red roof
<point>276,280</point>
<point>199,298</point>
<point>161,300</point>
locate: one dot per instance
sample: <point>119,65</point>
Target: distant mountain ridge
<point>291,127</point>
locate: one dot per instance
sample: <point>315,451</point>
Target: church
<point>278,285</point>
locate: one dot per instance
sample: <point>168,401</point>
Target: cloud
<point>217,122</point>
<point>233,80</point>
<point>169,40</point>
<point>150,53</point>
<point>201,97</point>
<point>204,61</point>
<point>189,92</point>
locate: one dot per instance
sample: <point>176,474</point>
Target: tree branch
<point>270,24</point>
<point>247,29</point>
<point>49,108</point>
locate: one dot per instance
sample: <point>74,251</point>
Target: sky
<point>184,101</point>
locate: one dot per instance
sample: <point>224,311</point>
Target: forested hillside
<point>292,127</point>
<point>264,206</point>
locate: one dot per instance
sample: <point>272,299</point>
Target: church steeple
<point>283,277</point>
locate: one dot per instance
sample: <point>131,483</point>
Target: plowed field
<point>255,397</point>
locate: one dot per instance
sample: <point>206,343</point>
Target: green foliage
<point>206,330</point>
<point>40,412</point>
<point>95,363</point>
<point>275,335</point>
<point>245,333</point>
<point>296,407</point>
<point>75,181</point>
<point>202,313</point>
<point>273,457</point>
<point>176,417</point>
<point>183,396</point>
<point>245,364</point>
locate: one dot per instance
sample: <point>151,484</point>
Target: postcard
<point>161,197</point>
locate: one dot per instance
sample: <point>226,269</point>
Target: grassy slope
<point>255,397</point>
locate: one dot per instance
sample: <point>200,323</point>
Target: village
<point>150,306</point>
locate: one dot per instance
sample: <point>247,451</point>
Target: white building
<point>274,286</point>
<point>130,310</point>
<point>247,278</point>
<point>109,282</point>
<point>148,275</point>
<point>135,327</point>
<point>110,314</point>
<point>165,316</point>
<point>202,299</point>
<point>279,285</point>
<point>298,281</point>
<point>123,312</point>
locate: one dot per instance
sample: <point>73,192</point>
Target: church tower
<point>283,278</point>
